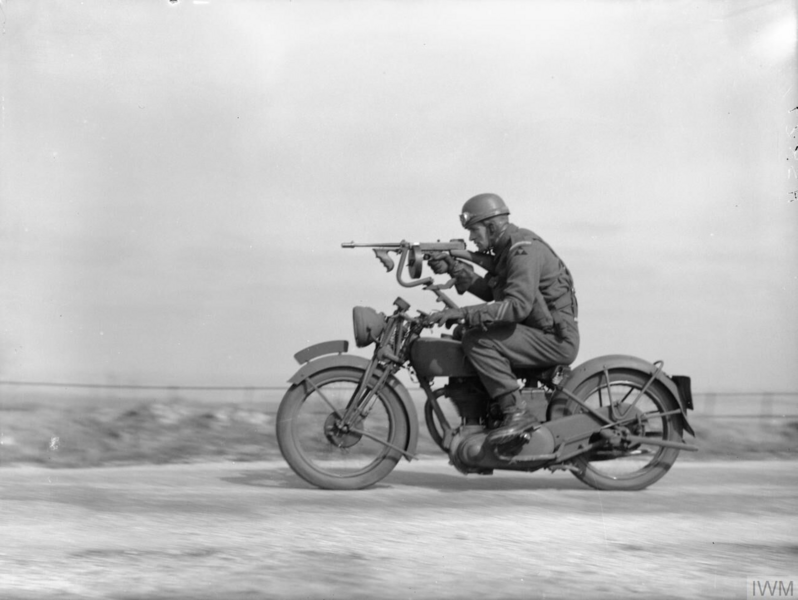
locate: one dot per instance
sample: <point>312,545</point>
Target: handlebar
<point>427,282</point>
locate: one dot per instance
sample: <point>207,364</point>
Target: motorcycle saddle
<point>548,375</point>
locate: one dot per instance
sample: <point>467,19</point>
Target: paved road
<point>254,530</point>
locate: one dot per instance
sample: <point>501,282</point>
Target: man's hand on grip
<point>447,317</point>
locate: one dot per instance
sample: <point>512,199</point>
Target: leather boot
<point>516,419</point>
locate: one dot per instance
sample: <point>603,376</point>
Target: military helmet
<point>481,207</point>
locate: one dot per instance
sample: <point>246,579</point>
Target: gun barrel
<point>422,246</point>
<point>389,245</point>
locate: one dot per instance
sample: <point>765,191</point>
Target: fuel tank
<point>440,357</point>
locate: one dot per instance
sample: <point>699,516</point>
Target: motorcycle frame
<point>385,362</point>
<point>429,284</point>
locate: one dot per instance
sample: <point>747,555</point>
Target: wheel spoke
<point>628,393</point>
<point>609,390</point>
<point>642,418</point>
<point>647,414</point>
<point>324,398</point>
<point>383,442</point>
<point>332,447</point>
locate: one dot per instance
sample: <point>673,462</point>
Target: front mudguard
<point>622,361</point>
<point>331,355</point>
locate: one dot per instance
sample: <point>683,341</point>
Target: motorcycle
<point>616,422</point>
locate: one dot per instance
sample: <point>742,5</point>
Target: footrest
<point>508,450</point>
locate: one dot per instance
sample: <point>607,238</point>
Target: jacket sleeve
<point>524,266</point>
<point>481,289</point>
<point>466,280</point>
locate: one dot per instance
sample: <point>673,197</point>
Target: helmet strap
<point>496,228</point>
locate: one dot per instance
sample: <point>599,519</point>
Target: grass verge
<point>122,432</point>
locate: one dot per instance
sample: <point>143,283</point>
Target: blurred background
<point>176,178</point>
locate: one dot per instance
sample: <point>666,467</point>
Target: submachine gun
<point>413,254</point>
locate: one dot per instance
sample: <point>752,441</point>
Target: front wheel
<point>652,414</point>
<point>326,453</point>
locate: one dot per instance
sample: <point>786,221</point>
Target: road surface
<point>254,530</point>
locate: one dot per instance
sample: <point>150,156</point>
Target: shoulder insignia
<point>517,249</point>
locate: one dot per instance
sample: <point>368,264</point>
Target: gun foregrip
<point>386,260</point>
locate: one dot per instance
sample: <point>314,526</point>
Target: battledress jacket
<point>529,285</point>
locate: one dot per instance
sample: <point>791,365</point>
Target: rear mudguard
<point>621,361</point>
<point>320,357</point>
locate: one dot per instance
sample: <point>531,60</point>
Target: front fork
<point>360,405</point>
<point>362,401</point>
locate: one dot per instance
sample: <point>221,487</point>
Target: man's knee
<point>468,341</point>
<point>570,347</point>
<point>476,340</point>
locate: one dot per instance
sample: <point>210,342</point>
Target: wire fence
<point>126,386</point>
<point>98,392</point>
<point>707,404</point>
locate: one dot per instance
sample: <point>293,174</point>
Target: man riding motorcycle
<point>530,316</point>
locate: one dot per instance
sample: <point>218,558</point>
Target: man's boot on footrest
<point>516,419</point>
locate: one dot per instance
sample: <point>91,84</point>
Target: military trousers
<point>495,351</point>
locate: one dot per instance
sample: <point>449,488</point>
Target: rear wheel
<point>637,465</point>
<point>324,451</point>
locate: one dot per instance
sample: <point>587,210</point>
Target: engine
<point>470,397</point>
<point>469,451</point>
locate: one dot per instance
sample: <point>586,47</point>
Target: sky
<point>176,178</point>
